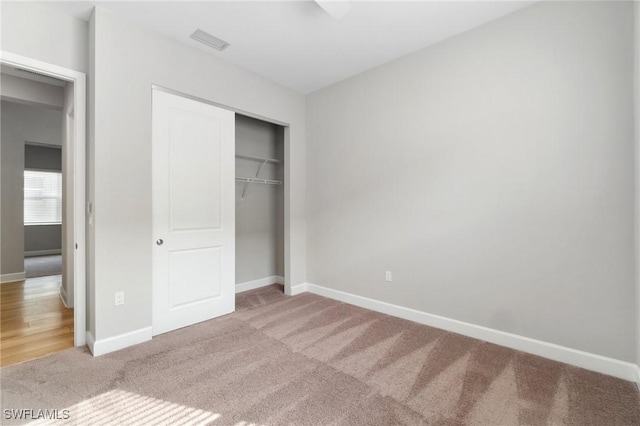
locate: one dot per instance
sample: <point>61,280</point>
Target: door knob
<point>159,241</point>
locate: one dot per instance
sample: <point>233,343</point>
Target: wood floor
<point>33,320</point>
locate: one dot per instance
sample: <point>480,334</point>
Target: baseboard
<point>42,252</point>
<point>300,288</point>
<point>90,340</point>
<point>9,278</point>
<point>586,360</point>
<point>63,296</point>
<point>112,344</point>
<point>638,377</point>
<point>262,282</point>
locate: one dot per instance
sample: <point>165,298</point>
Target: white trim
<point>10,278</point>
<point>589,361</point>
<point>42,252</point>
<point>638,377</point>
<point>262,282</point>
<point>636,106</point>
<point>76,173</point>
<point>288,235</point>
<point>300,288</point>
<point>121,341</point>
<point>219,105</point>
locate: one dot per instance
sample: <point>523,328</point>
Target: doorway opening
<point>42,270</point>
<point>43,200</point>
<point>259,204</point>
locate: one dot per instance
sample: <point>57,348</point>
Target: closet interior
<point>259,203</point>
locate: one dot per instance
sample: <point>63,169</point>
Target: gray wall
<point>20,123</point>
<point>43,157</point>
<point>120,139</point>
<point>38,238</point>
<point>26,91</point>
<point>260,215</point>
<point>493,174</point>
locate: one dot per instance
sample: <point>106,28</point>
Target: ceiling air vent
<point>209,40</point>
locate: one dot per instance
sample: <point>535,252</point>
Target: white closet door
<point>193,212</point>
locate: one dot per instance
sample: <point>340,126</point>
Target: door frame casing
<point>76,171</point>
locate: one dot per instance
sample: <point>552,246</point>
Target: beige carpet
<point>307,360</point>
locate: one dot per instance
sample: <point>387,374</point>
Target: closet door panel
<point>193,212</point>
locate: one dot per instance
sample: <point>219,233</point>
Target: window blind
<point>42,197</point>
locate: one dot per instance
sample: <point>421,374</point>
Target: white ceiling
<point>296,43</point>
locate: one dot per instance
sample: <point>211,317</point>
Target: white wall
<point>493,174</point>
<point>260,215</point>
<point>36,31</point>
<point>20,123</point>
<point>126,61</point>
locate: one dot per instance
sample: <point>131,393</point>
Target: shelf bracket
<point>246,185</point>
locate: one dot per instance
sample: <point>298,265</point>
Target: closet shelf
<point>255,158</point>
<point>258,180</point>
<point>249,180</point>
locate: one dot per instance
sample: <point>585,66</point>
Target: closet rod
<point>258,180</point>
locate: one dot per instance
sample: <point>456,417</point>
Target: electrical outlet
<point>120,298</point>
<point>387,276</point>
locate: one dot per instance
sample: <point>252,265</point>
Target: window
<point>42,197</point>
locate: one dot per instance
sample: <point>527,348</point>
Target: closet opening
<point>260,210</point>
